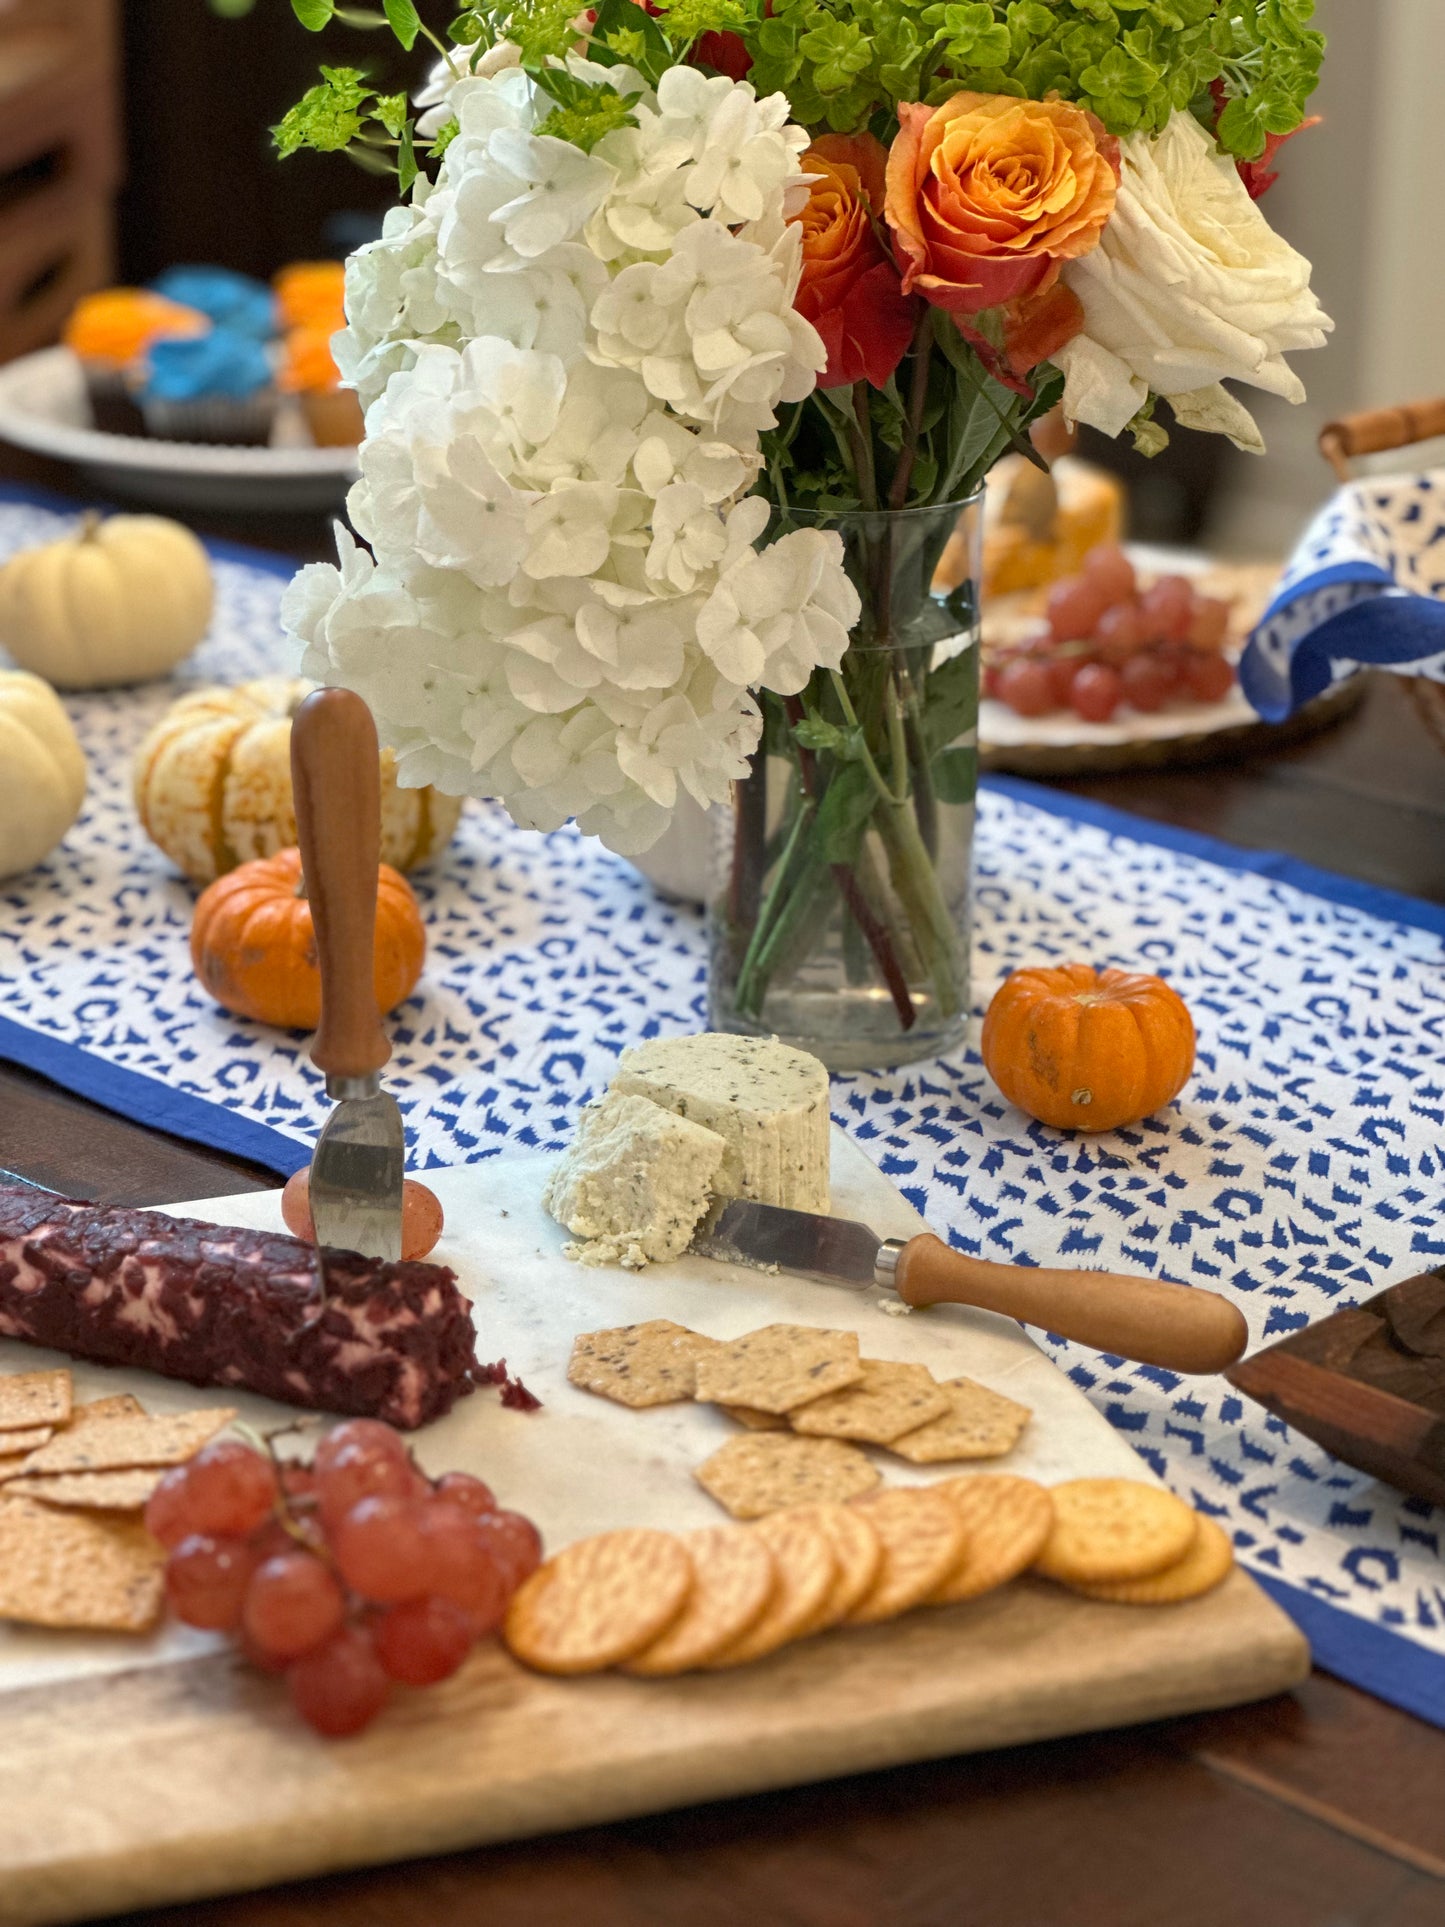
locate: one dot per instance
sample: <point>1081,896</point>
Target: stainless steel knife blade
<point>1180,1327</point>
<point>357,1172</point>
<point>836,1250</point>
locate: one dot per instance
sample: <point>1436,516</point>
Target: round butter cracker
<point>922,1536</point>
<point>857,1550</point>
<point>1107,1530</point>
<point>1206,1564</point>
<point>734,1577</point>
<point>804,1563</point>
<point>599,1601</point>
<point>1005,1523</point>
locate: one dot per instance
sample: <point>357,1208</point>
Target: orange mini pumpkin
<point>1086,1049</point>
<point>254,949</point>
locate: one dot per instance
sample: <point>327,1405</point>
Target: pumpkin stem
<point>90,525</point>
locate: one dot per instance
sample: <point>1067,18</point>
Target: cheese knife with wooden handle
<point>356,1174</point>
<point>1181,1327</point>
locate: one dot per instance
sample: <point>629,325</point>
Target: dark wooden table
<point>1323,1808</point>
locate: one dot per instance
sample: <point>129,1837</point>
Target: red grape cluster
<point>347,1575</point>
<point>1108,643</point>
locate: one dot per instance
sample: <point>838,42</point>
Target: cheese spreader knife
<point>1179,1327</point>
<point>356,1174</point>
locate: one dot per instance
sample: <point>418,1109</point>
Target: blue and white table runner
<point>1365,586</point>
<point>1302,1169</point>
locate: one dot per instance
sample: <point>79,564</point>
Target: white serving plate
<point>583,1464</point>
<point>1001,729</point>
<point>43,408</point>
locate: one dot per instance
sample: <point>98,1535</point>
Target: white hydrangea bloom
<point>742,151</point>
<point>713,326</point>
<point>567,360</point>
<point>779,613</point>
<point>454,79</point>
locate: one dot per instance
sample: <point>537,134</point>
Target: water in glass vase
<point>840,877</point>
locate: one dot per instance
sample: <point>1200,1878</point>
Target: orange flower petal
<point>987,194</point>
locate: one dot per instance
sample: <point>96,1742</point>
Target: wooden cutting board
<point>136,1773</point>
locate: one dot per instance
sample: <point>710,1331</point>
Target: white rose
<point>1189,286</point>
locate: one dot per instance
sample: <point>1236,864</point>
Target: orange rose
<point>988,196</point>
<point>850,288</point>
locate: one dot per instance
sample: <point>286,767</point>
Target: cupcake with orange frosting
<point>110,333</point>
<point>311,294</point>
<point>309,371</point>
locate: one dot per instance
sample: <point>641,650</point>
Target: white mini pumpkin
<point>42,769</point>
<point>119,601</point>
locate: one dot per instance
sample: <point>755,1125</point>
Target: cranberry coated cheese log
<point>219,1306</point>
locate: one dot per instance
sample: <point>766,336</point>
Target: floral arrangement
<point>673,285</point>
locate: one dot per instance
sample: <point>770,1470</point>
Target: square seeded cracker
<point>125,1491</point>
<point>28,1399</point>
<point>760,1472</point>
<point>13,1463</point>
<point>638,1365</point>
<point>755,1421</point>
<point>77,1569</point>
<point>778,1367</point>
<point>117,1440</point>
<point>979,1424</point>
<point>887,1401</point>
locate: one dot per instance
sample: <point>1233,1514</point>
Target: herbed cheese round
<point>767,1101</point>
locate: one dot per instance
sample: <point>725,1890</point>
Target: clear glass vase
<point>839,888</point>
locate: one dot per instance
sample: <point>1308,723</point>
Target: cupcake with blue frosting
<point>216,387</point>
<point>233,301</point>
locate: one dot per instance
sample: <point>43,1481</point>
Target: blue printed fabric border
<point>1300,1170</point>
<point>1364,586</point>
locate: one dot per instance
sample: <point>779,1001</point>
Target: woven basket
<point>1371,433</point>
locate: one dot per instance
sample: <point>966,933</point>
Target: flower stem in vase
<point>875,932</point>
<point>750,856</point>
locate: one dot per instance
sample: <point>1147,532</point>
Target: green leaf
<point>444,137</point>
<point>950,704</point>
<point>313,14</point>
<point>231,9</point>
<point>817,733</point>
<point>844,813</point>
<point>622,16</point>
<point>371,161</point>
<point>971,36</point>
<point>955,774</point>
<point>466,30</point>
<point>406,167</point>
<point>838,52</point>
<point>583,113</point>
<point>404,19</point>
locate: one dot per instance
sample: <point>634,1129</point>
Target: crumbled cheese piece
<point>767,1101</point>
<point>633,1184</point>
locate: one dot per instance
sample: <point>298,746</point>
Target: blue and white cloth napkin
<point>1365,586</point>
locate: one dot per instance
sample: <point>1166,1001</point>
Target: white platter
<point>43,408</point>
<point>1042,743</point>
<point>582,1464</point>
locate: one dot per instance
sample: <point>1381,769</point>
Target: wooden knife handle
<point>336,779</point>
<point>1179,1327</point>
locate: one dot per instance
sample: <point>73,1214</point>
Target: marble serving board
<point>135,1771</point>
